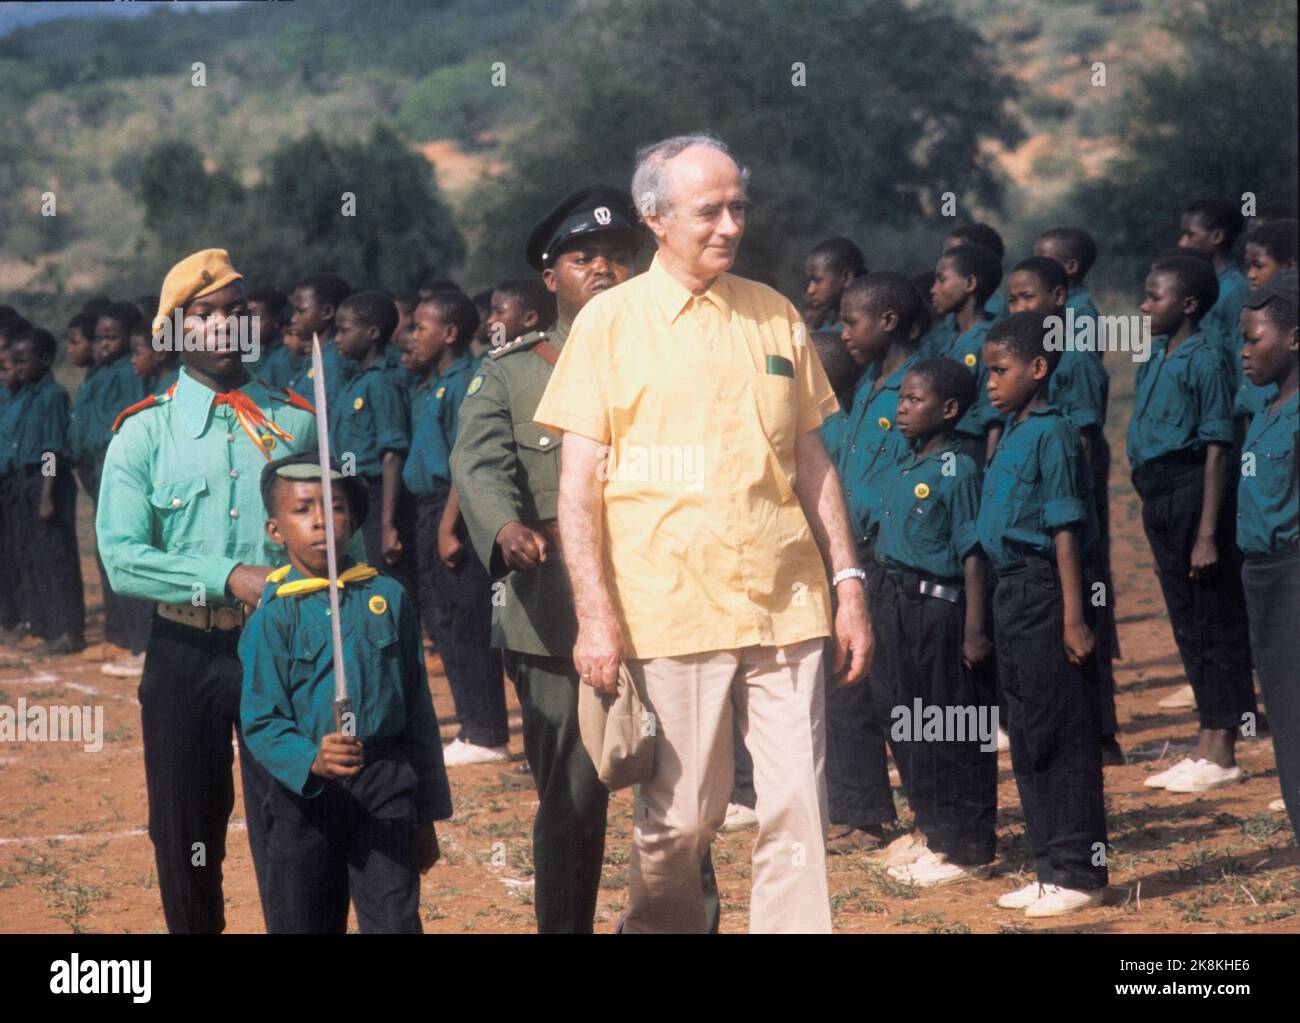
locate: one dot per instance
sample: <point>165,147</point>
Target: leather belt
<point>204,617</point>
<point>952,594</point>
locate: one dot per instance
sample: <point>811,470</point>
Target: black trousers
<point>1096,569</point>
<point>11,615</point>
<point>47,561</point>
<point>1208,615</point>
<point>355,839</point>
<point>460,620</point>
<point>126,619</point>
<point>1053,714</point>
<point>189,706</point>
<point>405,571</point>
<point>569,829</point>
<point>952,785</point>
<point>857,723</point>
<point>1272,586</point>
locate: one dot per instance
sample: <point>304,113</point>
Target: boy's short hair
<point>456,308</point>
<point>432,283</point>
<point>11,328</point>
<point>842,254</point>
<point>1047,270</point>
<point>887,292</point>
<point>1194,278</point>
<point>532,296</point>
<point>84,322</point>
<point>1219,215</point>
<point>305,467</point>
<point>980,262</point>
<point>950,380</point>
<point>1024,336</point>
<point>980,234</point>
<point>842,371</point>
<point>96,305</point>
<point>1077,243</point>
<point>922,282</point>
<point>374,308</point>
<point>329,289</point>
<point>273,298</point>
<point>41,340</point>
<point>126,313</point>
<point>407,301</point>
<point>1278,239</point>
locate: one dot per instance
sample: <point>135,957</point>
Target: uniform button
<point>176,502</point>
<point>230,438</point>
<point>544,441</point>
<point>234,474</point>
<point>234,513</point>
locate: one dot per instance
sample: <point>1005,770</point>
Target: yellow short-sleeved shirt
<point>698,402</point>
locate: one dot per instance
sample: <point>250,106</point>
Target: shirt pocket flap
<point>536,438</point>
<point>381,631</point>
<point>312,640</point>
<point>179,493</point>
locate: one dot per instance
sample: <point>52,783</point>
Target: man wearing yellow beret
<point>181,523</point>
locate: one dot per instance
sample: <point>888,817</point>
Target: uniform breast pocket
<point>778,410</point>
<point>178,504</point>
<point>308,653</point>
<point>1275,473</point>
<point>922,528</point>
<point>539,456</point>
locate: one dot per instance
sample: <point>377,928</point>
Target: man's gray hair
<point>650,189</point>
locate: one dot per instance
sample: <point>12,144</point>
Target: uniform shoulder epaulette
<point>140,406</point>
<point>278,574</point>
<point>519,344</point>
<point>291,398</point>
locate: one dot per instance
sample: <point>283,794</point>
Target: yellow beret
<point>193,277</point>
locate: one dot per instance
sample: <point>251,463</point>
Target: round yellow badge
<point>378,604</point>
<point>970,360</point>
<point>439,393</point>
<point>884,423</point>
<point>921,491</point>
<point>311,373</point>
<point>358,403</point>
<point>475,384</point>
<point>268,441</point>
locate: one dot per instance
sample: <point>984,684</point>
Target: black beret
<point>1281,286</point>
<point>306,466</point>
<point>583,211</point>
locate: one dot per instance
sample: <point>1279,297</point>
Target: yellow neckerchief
<point>355,574</point>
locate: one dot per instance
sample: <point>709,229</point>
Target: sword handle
<point>342,713</point>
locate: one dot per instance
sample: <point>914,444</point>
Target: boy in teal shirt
<point>352,804</point>
<point>1268,527</point>
<point>315,302</point>
<point>13,628</point>
<point>1076,251</point>
<point>1209,228</point>
<point>1035,521</point>
<point>832,265</point>
<point>1180,447</point>
<point>987,235</point>
<point>1270,248</point>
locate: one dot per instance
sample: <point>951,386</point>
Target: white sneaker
<point>1004,741</point>
<point>739,818</point>
<point>933,869</point>
<point>1183,698</point>
<point>900,852</point>
<point>1022,897</point>
<point>127,667</point>
<point>1162,780</point>
<point>1278,806</point>
<point>1057,901</point>
<point>1203,777</point>
<point>459,752</point>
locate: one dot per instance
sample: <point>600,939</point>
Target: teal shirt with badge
<point>436,417</point>
<point>1037,483</point>
<point>928,510</point>
<point>369,418</point>
<point>968,349</point>
<point>1268,500</point>
<point>36,425</point>
<point>1181,403</point>
<point>338,371</point>
<point>287,704</point>
<point>871,444</point>
<point>185,505</point>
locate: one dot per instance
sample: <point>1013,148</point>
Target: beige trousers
<point>777,696</point>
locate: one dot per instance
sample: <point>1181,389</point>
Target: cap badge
<point>603,216</point>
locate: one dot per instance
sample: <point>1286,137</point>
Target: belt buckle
<point>224,618</point>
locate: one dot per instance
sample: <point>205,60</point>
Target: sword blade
<point>327,495</point>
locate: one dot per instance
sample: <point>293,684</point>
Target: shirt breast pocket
<point>778,410</point>
<point>923,528</point>
<point>308,653</point>
<point>539,455</point>
<point>178,506</point>
<point>1273,470</point>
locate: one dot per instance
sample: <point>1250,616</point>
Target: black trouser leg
<point>51,564</point>
<point>1272,586</point>
<point>382,874</point>
<point>1053,728</point>
<point>569,830</point>
<point>10,615</point>
<point>307,861</point>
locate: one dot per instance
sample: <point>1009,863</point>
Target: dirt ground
<point>74,855</point>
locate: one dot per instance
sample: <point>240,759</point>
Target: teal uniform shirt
<point>1223,321</point>
<point>116,388</point>
<point>278,366</point>
<point>996,307</point>
<point>185,505</point>
<point>1268,501</point>
<point>835,432</point>
<point>402,377</point>
<point>9,407</point>
<point>287,704</point>
<point>1182,401</point>
<point>1037,483</point>
<point>1078,299</point>
<point>871,444</point>
<point>927,515</point>
<point>164,380</point>
<point>938,338</point>
<point>34,425</point>
<point>968,349</point>
<point>436,419</point>
<point>1080,388</point>
<point>81,414</point>
<point>368,419</point>
<point>338,371</point>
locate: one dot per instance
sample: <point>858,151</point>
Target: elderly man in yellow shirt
<point>700,517</point>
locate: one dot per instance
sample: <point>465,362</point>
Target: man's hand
<point>854,644</point>
<point>522,549</point>
<point>339,756</point>
<point>1079,641</point>
<point>390,545</point>
<point>975,649</point>
<point>427,852</point>
<point>1205,557</point>
<point>598,653</point>
<point>450,549</point>
<point>246,583</point>
<point>46,507</point>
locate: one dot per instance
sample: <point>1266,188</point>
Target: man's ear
<point>970,284</point>
<point>548,278</point>
<point>1217,237</point>
<point>1072,268</point>
<point>273,532</point>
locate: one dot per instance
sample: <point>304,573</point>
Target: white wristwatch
<point>849,573</point>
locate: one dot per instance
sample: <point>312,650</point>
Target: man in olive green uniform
<point>507,471</point>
